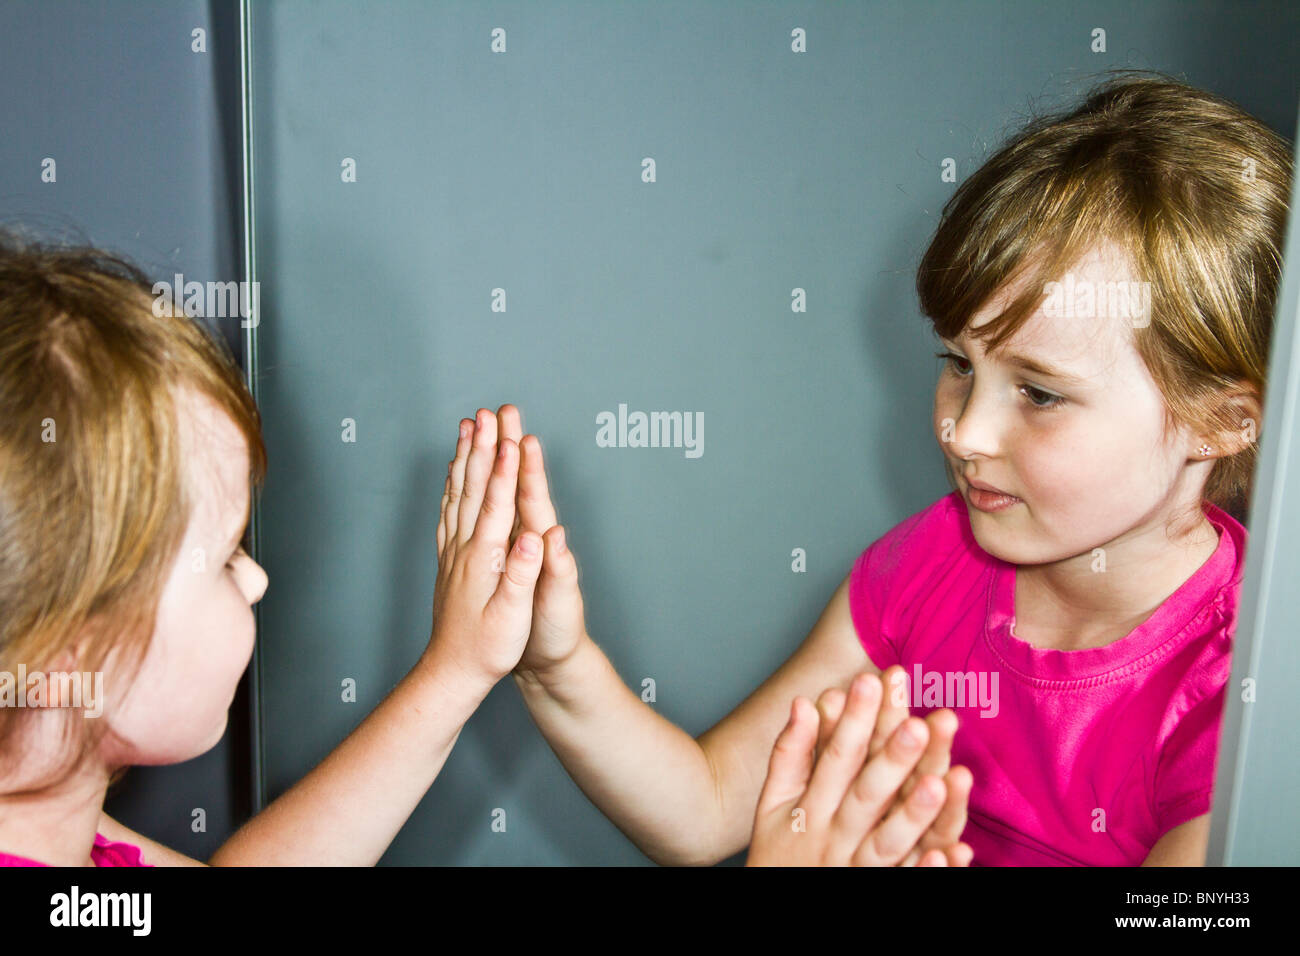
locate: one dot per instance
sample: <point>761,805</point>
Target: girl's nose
<point>973,430</point>
<point>252,580</point>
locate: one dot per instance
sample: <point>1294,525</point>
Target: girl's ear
<point>1245,412</point>
<point>65,662</point>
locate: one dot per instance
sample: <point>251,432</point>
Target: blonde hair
<point>93,501</point>
<point>1191,189</point>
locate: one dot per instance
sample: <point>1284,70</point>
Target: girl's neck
<point>57,827</point>
<point>1068,605</point>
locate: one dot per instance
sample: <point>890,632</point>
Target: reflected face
<point>1067,419</point>
<point>203,636</point>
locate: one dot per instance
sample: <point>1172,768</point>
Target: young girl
<point>1103,289</point>
<point>127,445</point>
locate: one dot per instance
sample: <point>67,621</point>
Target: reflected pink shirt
<point>1081,757</point>
<point>104,853</point>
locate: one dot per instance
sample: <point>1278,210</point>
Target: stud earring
<point>1205,449</point>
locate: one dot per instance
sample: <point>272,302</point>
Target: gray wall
<point>1257,796</point>
<point>522,171</point>
<point>147,161</point>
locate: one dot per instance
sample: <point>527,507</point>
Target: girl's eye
<point>952,360</point>
<point>1047,399</point>
<point>1051,401</point>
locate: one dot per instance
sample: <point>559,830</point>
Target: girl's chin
<point>998,538</point>
<point>134,755</point>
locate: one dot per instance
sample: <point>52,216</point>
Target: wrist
<point>553,674</point>
<point>453,680</point>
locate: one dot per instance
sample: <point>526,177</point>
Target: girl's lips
<point>983,487</point>
<point>989,500</point>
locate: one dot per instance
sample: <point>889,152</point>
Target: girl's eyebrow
<point>1030,364</point>
<point>239,531</point>
<point>1042,368</point>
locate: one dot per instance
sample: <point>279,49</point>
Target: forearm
<point>347,811</point>
<point>648,776</point>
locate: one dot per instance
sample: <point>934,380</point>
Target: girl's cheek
<point>946,413</point>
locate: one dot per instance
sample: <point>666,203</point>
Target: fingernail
<point>908,736</point>
<point>527,547</point>
<point>861,686</point>
<point>925,796</point>
<point>501,452</point>
<point>463,430</point>
<point>559,541</point>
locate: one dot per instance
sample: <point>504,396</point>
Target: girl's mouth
<point>989,501</point>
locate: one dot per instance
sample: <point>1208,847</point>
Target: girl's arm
<point>1184,845</point>
<point>347,810</point>
<point>684,800</point>
<point>151,851</point>
<point>827,798</point>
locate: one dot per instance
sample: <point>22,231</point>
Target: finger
<point>497,512</point>
<point>557,607</point>
<point>512,603</point>
<point>830,707</point>
<point>938,753</point>
<point>842,759</point>
<point>893,710</point>
<point>442,519</point>
<point>874,789</point>
<point>889,842</point>
<point>509,423</point>
<point>517,526</point>
<point>791,762</point>
<point>960,855</point>
<point>457,474</point>
<point>934,858</point>
<point>536,511</point>
<point>482,454</point>
<point>950,823</point>
<point>947,828</point>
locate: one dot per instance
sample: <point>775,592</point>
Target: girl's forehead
<point>215,459</point>
<point>1076,348</point>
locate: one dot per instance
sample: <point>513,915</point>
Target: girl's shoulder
<point>922,537</point>
<point>910,560</point>
<point>151,851</point>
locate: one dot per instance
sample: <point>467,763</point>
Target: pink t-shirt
<point>103,853</point>
<point>1080,757</point>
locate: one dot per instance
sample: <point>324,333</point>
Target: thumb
<point>514,593</point>
<point>792,758</point>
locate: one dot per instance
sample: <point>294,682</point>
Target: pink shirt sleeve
<point>864,608</point>
<point>880,572</point>
<point>1184,778</point>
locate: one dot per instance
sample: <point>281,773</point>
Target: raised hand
<point>841,805</point>
<point>559,624</point>
<point>945,832</point>
<point>482,602</point>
